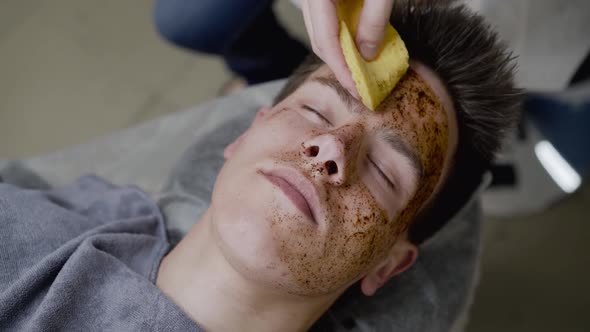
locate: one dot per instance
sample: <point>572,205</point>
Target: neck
<point>197,277</point>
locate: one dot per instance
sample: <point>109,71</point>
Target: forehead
<point>418,79</point>
<point>418,109</point>
<point>415,111</point>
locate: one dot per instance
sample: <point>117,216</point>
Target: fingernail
<point>368,50</point>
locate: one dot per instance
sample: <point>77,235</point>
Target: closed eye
<point>318,114</point>
<point>382,174</point>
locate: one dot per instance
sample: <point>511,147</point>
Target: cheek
<point>357,236</point>
<point>362,229</point>
<point>277,132</point>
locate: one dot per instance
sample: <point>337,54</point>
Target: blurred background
<point>73,70</point>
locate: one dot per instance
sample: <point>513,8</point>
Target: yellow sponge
<point>375,79</point>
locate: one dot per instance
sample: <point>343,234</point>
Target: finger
<point>323,18</point>
<point>308,24</point>
<point>326,30</point>
<point>371,28</point>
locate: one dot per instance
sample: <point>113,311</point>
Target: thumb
<point>371,28</point>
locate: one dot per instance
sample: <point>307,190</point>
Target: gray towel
<point>83,257</point>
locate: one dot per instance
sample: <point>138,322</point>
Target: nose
<point>331,155</point>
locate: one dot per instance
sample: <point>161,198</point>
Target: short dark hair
<point>478,72</point>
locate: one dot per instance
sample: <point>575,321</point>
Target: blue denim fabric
<point>245,33</point>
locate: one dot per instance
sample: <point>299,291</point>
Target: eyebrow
<point>352,105</point>
<point>398,144</point>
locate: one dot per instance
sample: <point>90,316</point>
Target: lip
<point>298,189</point>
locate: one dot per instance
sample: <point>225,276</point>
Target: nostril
<point>313,151</point>
<point>332,167</point>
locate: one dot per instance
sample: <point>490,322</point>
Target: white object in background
<point>559,169</point>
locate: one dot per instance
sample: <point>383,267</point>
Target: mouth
<point>298,189</point>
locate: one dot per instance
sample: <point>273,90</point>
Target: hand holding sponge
<point>374,79</point>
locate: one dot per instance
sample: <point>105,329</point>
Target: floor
<point>534,276</point>
<point>76,69</point>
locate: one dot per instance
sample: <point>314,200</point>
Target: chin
<point>242,229</point>
<point>252,226</point>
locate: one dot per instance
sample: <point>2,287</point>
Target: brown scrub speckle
<point>355,232</point>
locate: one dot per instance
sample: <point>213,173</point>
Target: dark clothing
<point>245,33</point>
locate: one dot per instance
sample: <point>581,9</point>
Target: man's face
<point>320,188</point>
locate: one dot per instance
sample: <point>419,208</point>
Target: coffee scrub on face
<point>356,232</point>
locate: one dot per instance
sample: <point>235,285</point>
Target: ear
<point>231,148</point>
<point>402,256</point>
